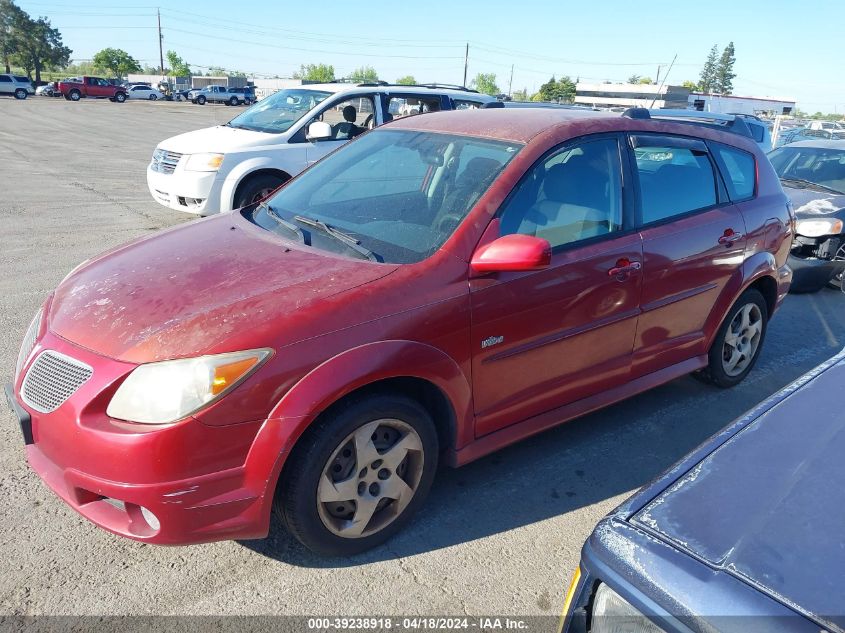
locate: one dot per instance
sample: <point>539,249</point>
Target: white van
<point>230,166</point>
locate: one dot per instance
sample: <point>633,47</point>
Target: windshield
<point>278,112</point>
<point>398,194</point>
<point>820,165</point>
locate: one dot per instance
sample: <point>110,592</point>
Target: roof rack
<point>728,122</point>
<point>449,86</point>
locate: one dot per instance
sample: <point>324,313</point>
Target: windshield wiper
<point>810,183</point>
<point>288,225</point>
<point>338,235</point>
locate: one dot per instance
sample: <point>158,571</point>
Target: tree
<point>724,76</point>
<point>116,62</point>
<point>364,75</point>
<point>690,85</point>
<point>485,83</point>
<point>707,80</point>
<point>407,80</point>
<point>38,46</point>
<point>178,66</point>
<point>321,73</point>
<point>634,79</point>
<point>560,90</point>
<point>12,18</point>
<point>646,81</point>
<point>520,95</point>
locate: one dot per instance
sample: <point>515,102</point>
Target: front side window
<point>396,194</point>
<point>573,195</point>
<point>810,166</point>
<point>349,118</point>
<point>280,111</point>
<point>673,181</point>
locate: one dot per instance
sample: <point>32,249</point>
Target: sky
<point>783,49</point>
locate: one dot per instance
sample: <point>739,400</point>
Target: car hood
<point>192,289</point>
<point>219,139</point>
<point>768,505</point>
<point>810,203</point>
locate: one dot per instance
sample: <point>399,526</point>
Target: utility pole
<point>160,43</point>
<point>466,64</point>
<point>657,78</point>
<point>510,82</point>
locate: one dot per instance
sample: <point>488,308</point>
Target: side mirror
<point>511,253</point>
<point>319,131</point>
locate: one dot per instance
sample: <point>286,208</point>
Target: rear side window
<point>673,181</point>
<point>23,80</point>
<point>739,170</point>
<point>5,79</point>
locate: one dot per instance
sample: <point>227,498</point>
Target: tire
<point>384,492</point>
<point>75,95</point>
<point>838,282</point>
<point>257,188</point>
<point>120,97</point>
<point>153,97</point>
<point>724,372</point>
<point>21,94</point>
<point>233,101</point>
<point>201,100</point>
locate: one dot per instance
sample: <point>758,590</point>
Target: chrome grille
<point>52,379</point>
<point>165,162</point>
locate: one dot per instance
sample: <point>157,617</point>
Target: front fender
<point>337,377</point>
<point>244,168</point>
<point>759,265</point>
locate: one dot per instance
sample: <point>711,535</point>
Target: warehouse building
<point>621,96</point>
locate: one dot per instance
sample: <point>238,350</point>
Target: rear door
<point>693,241</point>
<point>547,338</point>
<point>7,86</point>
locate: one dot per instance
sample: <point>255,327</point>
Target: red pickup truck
<point>96,87</point>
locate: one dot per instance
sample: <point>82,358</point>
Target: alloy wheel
<point>742,339</point>
<point>370,478</point>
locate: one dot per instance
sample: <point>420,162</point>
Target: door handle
<point>730,236</point>
<point>623,267</point>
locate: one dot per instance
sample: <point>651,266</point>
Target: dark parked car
<point>813,176</point>
<point>744,534</point>
<point>437,289</point>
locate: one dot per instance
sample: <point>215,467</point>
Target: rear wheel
<point>738,341</point>
<point>20,93</point>
<point>75,95</point>
<point>358,475</point>
<point>233,101</point>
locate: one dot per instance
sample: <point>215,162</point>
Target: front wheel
<point>233,101</point>
<point>153,97</point>
<point>120,97</point>
<point>738,341</point>
<point>256,189</point>
<point>358,475</point>
<point>201,100</point>
<point>21,93</point>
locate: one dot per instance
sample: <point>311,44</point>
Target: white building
<point>622,96</point>
<point>733,104</point>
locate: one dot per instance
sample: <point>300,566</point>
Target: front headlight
<point>613,614</point>
<point>159,393</point>
<point>204,162</point>
<point>819,227</point>
<point>28,343</point>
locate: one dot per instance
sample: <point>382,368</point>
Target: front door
<point>693,243</point>
<point>547,338</point>
<point>348,119</point>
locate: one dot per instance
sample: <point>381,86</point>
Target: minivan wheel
<point>20,93</point>
<point>739,341</point>
<point>357,477</point>
<point>256,189</point>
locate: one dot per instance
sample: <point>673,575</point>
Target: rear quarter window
<point>739,170</point>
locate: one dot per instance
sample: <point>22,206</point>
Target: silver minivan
<point>17,85</point>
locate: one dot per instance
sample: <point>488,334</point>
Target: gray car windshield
<point>278,112</point>
<point>815,165</point>
<point>391,196</point>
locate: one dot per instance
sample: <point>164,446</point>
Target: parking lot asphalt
<point>501,535</point>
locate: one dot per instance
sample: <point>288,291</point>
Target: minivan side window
<point>573,195</point>
<point>738,168</point>
<point>5,79</point>
<point>673,181</point>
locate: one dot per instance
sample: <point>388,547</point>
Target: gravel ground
<point>501,535</point>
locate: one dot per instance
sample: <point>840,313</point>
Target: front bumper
<point>189,191</point>
<point>810,274</point>
<point>173,484</point>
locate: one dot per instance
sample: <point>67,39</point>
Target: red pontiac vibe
<point>437,289</point>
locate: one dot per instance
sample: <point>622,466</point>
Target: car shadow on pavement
<point>592,459</point>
